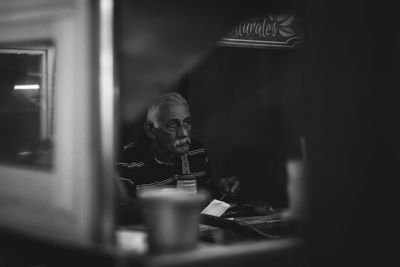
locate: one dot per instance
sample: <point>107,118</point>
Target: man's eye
<point>171,125</point>
<point>187,124</point>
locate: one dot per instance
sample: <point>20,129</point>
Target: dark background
<point>247,108</point>
<point>246,103</point>
<point>348,111</point>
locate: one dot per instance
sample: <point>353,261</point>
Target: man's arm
<point>228,187</point>
<point>220,188</point>
<point>127,173</point>
<point>128,209</point>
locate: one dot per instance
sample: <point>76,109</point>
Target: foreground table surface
<point>220,246</point>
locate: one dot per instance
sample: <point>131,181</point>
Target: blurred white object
<point>216,208</point>
<point>296,170</point>
<point>132,240</point>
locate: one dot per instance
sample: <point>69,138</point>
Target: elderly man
<point>168,151</point>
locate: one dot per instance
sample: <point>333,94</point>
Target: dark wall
<point>247,108</point>
<point>352,59</point>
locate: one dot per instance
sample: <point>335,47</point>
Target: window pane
<point>24,107</point>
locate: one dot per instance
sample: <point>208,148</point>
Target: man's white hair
<point>173,98</point>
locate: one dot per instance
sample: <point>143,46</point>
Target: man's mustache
<point>183,142</point>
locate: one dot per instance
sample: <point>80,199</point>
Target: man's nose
<point>182,131</point>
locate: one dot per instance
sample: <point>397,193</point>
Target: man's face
<point>173,129</point>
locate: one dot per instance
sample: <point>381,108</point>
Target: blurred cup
<point>187,182</point>
<point>172,218</point>
<point>297,189</point>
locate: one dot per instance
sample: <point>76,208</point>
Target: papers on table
<point>216,208</point>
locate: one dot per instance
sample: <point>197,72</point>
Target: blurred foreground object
<point>297,175</point>
<point>172,218</point>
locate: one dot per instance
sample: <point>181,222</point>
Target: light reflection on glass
<point>27,87</point>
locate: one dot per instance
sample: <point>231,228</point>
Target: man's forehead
<point>173,111</point>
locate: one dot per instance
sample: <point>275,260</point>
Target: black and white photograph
<point>172,133</point>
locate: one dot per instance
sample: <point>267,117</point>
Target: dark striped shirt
<point>138,169</point>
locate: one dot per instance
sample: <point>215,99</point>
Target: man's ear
<point>149,130</point>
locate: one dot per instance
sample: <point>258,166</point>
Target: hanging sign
<point>270,31</point>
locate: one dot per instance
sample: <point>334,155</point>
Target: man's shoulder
<point>196,147</point>
<point>195,144</point>
<point>136,145</point>
<point>134,151</point>
<point>130,146</point>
